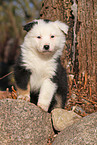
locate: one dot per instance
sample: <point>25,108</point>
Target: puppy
<point>38,69</point>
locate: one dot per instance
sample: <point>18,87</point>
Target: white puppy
<point>38,69</point>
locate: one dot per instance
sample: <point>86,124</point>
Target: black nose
<point>46,47</point>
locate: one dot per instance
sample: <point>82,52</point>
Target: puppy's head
<point>45,36</point>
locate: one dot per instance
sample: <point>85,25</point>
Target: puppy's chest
<point>41,70</point>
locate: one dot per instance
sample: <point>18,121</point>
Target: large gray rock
<point>84,132</point>
<point>23,123</point>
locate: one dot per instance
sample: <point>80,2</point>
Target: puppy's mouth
<point>47,52</point>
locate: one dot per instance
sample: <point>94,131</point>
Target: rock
<point>83,132</point>
<point>24,123</point>
<point>62,118</point>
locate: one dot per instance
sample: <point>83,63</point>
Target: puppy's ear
<point>62,26</point>
<point>29,25</point>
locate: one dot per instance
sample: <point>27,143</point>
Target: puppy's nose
<point>46,47</point>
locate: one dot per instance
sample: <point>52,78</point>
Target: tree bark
<point>87,42</point>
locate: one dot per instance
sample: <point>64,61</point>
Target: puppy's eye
<point>52,36</point>
<point>39,37</point>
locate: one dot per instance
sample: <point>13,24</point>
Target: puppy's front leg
<point>47,91</point>
<point>22,79</point>
<point>24,94</point>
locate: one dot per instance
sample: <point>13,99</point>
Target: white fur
<point>42,63</point>
<point>47,91</point>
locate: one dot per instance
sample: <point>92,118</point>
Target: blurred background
<point>13,15</point>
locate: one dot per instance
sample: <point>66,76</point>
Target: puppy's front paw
<point>42,106</point>
<point>24,97</point>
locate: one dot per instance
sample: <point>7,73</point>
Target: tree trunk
<point>87,42</point>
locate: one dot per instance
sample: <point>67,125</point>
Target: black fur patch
<point>61,80</point>
<point>28,26</point>
<point>47,21</point>
<point>22,75</point>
